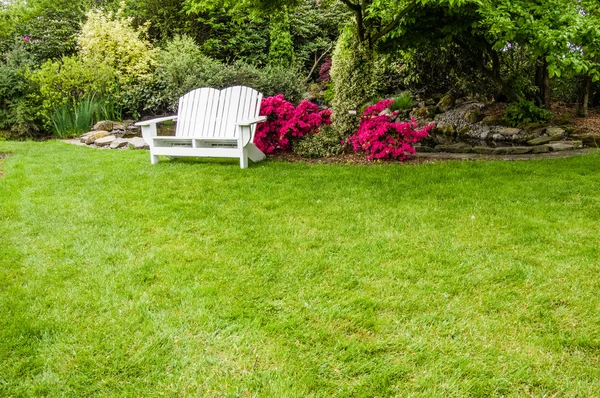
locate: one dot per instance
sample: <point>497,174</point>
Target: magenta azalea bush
<point>382,137</point>
<point>286,122</point>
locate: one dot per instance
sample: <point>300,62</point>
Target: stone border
<point>476,156</point>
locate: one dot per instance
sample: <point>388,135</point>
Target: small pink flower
<point>26,38</point>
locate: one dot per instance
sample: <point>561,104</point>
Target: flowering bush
<point>285,123</point>
<point>383,138</point>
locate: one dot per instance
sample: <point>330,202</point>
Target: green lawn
<point>196,278</point>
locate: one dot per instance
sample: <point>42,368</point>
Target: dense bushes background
<point>65,63</point>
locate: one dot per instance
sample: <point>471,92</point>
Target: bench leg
<point>244,159</point>
<point>153,159</point>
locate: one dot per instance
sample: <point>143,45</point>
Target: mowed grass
<point>196,278</point>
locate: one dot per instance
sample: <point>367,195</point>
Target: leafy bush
<point>52,34</point>
<point>402,102</point>
<point>524,112</point>
<point>110,39</point>
<point>356,74</point>
<point>275,80</point>
<point>281,49</point>
<point>66,82</point>
<point>327,143</point>
<point>17,116</point>
<point>182,67</point>
<point>383,138</point>
<point>286,123</point>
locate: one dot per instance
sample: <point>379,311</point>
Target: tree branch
<point>359,18</point>
<point>394,24</point>
<point>317,63</point>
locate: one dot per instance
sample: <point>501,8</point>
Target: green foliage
<point>183,67</point>
<point>357,75</point>
<point>53,34</point>
<point>109,38</point>
<point>17,117</point>
<point>75,119</point>
<point>328,142</point>
<point>281,49</point>
<point>329,93</point>
<point>402,102</point>
<point>524,112</point>
<point>66,82</point>
<point>235,38</point>
<point>315,26</point>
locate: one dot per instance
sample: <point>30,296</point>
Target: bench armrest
<point>250,122</point>
<point>155,121</point>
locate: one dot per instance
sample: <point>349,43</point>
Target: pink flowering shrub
<point>383,138</point>
<point>285,123</point>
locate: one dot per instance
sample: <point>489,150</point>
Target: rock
<point>422,113</point>
<point>385,112</point>
<point>540,140</point>
<point>484,150</point>
<point>492,121</point>
<point>138,143</point>
<point>485,135</point>
<point>464,131</point>
<point>446,103</point>
<point>555,132</point>
<point>104,125</point>
<point>541,149</point>
<point>460,147</point>
<point>445,128</point>
<point>429,102</point>
<point>105,141</point>
<point>588,139</point>
<point>84,137</point>
<point>497,137</point>
<point>513,150</point>
<point>119,143</point>
<point>474,116</point>
<point>97,135</point>
<point>576,144</point>
<point>510,132</point>
<point>560,146</point>
<point>424,148</point>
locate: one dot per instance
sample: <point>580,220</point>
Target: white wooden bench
<point>210,123</point>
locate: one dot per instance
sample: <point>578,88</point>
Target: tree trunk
<point>546,85</point>
<point>587,87</point>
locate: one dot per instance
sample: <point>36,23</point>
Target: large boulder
<point>561,146</point>
<point>91,138</point>
<point>513,150</point>
<point>104,125</point>
<point>427,112</point>
<point>105,141</point>
<point>460,147</point>
<point>544,139</point>
<point>446,103</point>
<point>474,116</point>
<point>119,143</point>
<point>556,132</point>
<point>493,121</point>
<point>138,143</point>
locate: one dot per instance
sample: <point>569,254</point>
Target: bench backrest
<point>208,112</point>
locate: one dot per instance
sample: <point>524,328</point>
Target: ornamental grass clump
<point>383,138</point>
<point>286,123</point>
